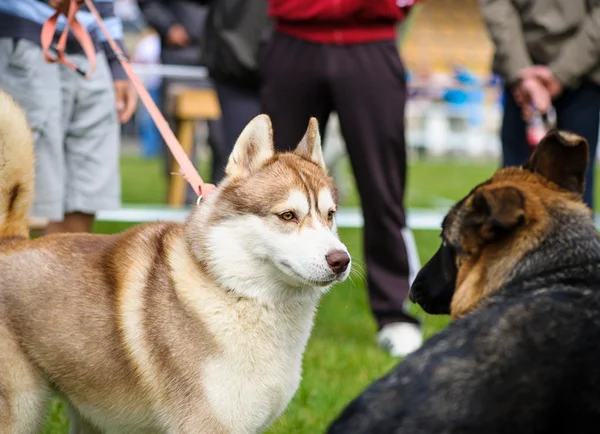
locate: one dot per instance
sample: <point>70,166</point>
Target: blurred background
<point>453,114</point>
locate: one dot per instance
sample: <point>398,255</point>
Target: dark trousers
<point>365,85</point>
<point>238,107</point>
<point>577,111</point>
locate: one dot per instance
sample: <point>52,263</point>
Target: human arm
<point>125,96</point>
<point>580,54</point>
<point>160,17</point>
<point>504,26</point>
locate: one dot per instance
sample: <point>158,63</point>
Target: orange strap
<point>84,38</point>
<point>187,168</point>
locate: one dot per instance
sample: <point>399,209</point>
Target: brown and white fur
<point>167,328</point>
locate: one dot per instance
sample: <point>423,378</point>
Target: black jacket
<point>162,14</point>
<point>236,30</point>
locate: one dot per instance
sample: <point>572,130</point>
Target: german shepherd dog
<point>518,270</point>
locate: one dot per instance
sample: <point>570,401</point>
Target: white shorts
<point>75,127</point>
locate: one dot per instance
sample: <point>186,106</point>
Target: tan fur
<point>248,158</point>
<point>16,168</point>
<point>485,264</point>
<point>310,145</point>
<point>140,331</point>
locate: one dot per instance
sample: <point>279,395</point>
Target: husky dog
<point>168,328</point>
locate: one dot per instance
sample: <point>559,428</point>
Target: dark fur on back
<point>526,362</point>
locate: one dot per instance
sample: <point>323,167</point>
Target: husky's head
<point>269,228</point>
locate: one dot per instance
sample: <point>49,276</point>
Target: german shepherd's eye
<point>330,214</point>
<point>288,216</point>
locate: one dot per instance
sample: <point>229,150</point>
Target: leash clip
<point>59,54</point>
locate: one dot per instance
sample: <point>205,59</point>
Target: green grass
<point>341,358</point>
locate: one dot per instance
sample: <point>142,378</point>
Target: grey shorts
<point>75,128</point>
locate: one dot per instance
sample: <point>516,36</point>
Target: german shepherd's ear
<point>252,149</point>
<point>309,147</point>
<point>562,157</point>
<point>496,211</point>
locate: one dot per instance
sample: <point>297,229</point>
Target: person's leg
<point>7,47</point>
<point>72,222</point>
<point>293,88</point>
<point>68,88</point>
<point>92,144</point>
<point>238,107</point>
<point>515,149</point>
<point>369,94</point>
<point>35,85</point>
<point>220,150</point>
<point>579,111</point>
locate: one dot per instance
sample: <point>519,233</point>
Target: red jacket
<point>339,21</point>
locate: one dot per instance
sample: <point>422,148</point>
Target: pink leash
<point>187,168</point>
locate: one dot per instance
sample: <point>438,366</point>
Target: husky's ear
<point>562,157</point>
<point>309,147</point>
<point>496,211</point>
<point>252,149</point>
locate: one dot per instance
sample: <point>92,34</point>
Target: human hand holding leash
<point>126,100</point>
<point>531,94</point>
<point>546,77</point>
<point>536,89</point>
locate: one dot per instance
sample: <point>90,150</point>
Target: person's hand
<point>126,100</point>
<point>531,94</point>
<point>63,5</point>
<point>178,36</point>
<point>545,75</point>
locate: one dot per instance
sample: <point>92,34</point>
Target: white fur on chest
<point>257,370</point>
<point>252,382</point>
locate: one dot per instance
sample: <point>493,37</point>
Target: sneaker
<point>400,338</point>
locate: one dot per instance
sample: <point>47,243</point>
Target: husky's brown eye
<point>330,214</point>
<point>287,216</point>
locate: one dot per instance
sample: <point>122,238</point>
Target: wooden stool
<point>191,105</point>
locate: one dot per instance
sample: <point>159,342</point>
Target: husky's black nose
<point>338,261</point>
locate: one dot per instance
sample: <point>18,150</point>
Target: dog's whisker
<point>357,273</point>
